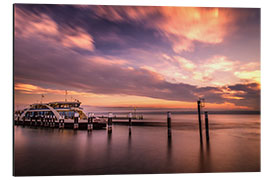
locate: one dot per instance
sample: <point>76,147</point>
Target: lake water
<point>234,147</point>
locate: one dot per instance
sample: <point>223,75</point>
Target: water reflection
<point>147,150</point>
<point>129,143</point>
<point>169,148</point>
<point>205,157</point>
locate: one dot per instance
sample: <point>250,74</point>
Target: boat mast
<point>42,96</point>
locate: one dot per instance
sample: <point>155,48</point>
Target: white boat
<point>58,110</point>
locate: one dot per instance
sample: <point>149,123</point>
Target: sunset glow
<point>151,57</point>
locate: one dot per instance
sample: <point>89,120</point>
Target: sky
<point>134,56</point>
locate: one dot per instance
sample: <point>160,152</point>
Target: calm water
<point>234,147</point>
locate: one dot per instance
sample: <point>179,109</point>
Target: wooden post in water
<point>90,121</point>
<point>18,119</point>
<point>199,117</point>
<point>31,119</point>
<point>129,122</point>
<point>60,122</point>
<point>169,124</point>
<point>35,119</point>
<point>63,123</point>
<point>23,120</point>
<point>76,120</point>
<point>41,120</point>
<point>53,120</point>
<point>46,120</point>
<point>50,119</point>
<point>206,126</point>
<point>110,123</point>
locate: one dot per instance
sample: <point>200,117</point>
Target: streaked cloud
<point>29,24</point>
<point>79,38</point>
<point>153,56</point>
<point>249,75</point>
<point>181,25</point>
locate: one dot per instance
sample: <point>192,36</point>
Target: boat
<point>60,110</point>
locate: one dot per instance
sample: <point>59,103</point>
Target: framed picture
<point>108,89</point>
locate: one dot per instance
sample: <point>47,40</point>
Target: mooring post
<point>169,123</point>
<point>206,126</point>
<point>129,122</point>
<point>46,120</point>
<point>60,122</point>
<point>63,123</point>
<point>41,120</point>
<point>76,120</point>
<point>45,117</point>
<point>53,121</point>
<point>18,120</point>
<point>110,123</point>
<point>23,120</point>
<point>199,117</point>
<point>31,118</point>
<point>50,121</point>
<point>90,121</point>
<point>36,118</point>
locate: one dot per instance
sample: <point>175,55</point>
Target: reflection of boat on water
<point>66,110</point>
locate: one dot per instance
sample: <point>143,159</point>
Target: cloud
<point>181,25</point>
<point>33,89</point>
<point>28,24</point>
<point>108,60</point>
<point>41,26</point>
<point>249,75</point>
<point>79,38</point>
<point>89,74</point>
<point>47,60</point>
<point>185,64</point>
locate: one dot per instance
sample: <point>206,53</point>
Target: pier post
<point>46,120</point>
<point>23,120</point>
<point>60,125</point>
<point>36,118</point>
<point>199,117</point>
<point>31,119</point>
<point>76,120</point>
<point>63,123</point>
<point>41,120</point>
<point>17,119</point>
<point>53,121</point>
<point>110,123</point>
<point>90,122</point>
<point>206,126</point>
<point>169,123</point>
<point>50,121</point>
<point>129,122</point>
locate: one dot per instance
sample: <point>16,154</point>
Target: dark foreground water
<point>234,147</point>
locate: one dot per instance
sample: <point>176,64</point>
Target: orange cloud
<point>113,100</point>
<point>254,76</point>
<point>220,63</point>
<point>217,70</point>
<point>182,25</point>
<point>32,89</point>
<point>185,64</point>
<point>80,39</point>
<point>29,25</point>
<point>107,61</point>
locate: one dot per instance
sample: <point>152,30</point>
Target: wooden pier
<point>68,124</point>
